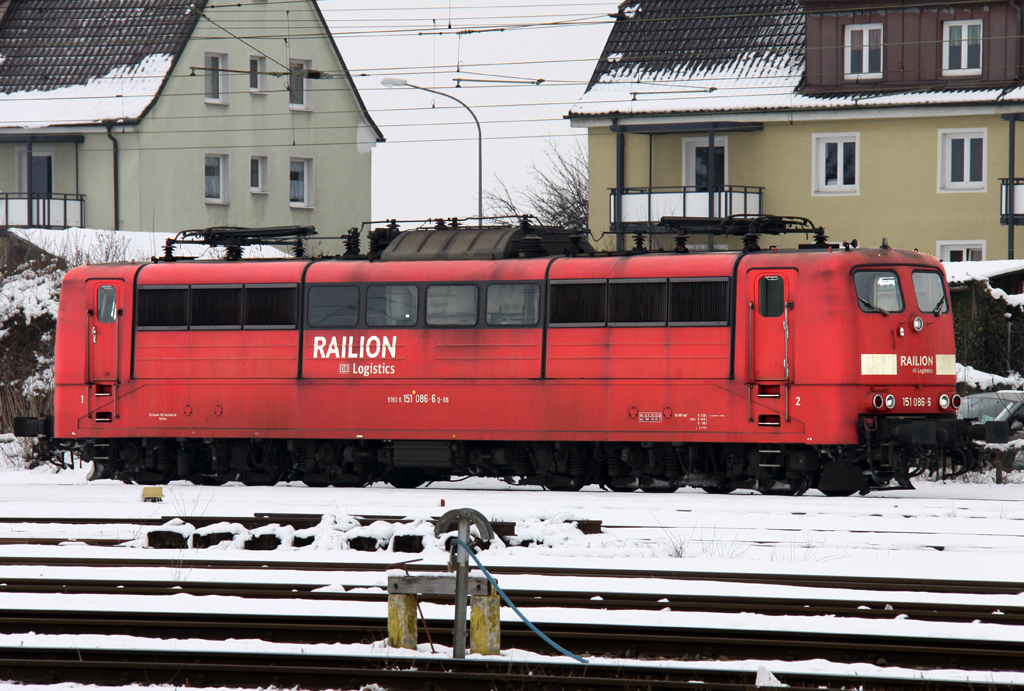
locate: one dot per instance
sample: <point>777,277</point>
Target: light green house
<point>173,115</point>
<point>874,122</point>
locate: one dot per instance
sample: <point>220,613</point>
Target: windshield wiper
<point>874,308</point>
<point>938,306</point>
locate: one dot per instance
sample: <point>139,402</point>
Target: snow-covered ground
<point>952,530</point>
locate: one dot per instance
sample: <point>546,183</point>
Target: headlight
<point>943,401</point>
<point>878,401</point>
<point>890,401</point>
<point>918,323</point>
<point>956,401</point>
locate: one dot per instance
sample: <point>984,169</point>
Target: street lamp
<point>395,81</point>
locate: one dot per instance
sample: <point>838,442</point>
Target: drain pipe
<point>117,204</point>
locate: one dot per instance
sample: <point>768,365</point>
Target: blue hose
<point>515,609</point>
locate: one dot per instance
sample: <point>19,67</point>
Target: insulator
<point>681,247</point>
<point>638,241</point>
<point>299,250</point>
<point>750,242</point>
<point>233,253</point>
<point>352,243</point>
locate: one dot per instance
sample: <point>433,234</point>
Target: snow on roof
<point>686,56</point>
<point>961,272</point>
<point>125,92</point>
<point>80,244</point>
<point>89,61</point>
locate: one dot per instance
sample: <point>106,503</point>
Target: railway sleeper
<point>890,456</point>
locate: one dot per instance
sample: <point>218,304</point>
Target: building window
<point>960,250</point>
<point>258,174</point>
<point>216,178</point>
<point>962,160</point>
<point>961,48</point>
<point>863,55</point>
<point>695,162</point>
<point>257,74</point>
<point>216,78</point>
<point>299,96</point>
<point>300,187</point>
<point>836,164</point>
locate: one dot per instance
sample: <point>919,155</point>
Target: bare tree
<point>558,195</point>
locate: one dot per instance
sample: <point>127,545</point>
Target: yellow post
<point>402,621</point>
<point>485,624</point>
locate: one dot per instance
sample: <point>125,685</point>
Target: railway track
<point>213,668</point>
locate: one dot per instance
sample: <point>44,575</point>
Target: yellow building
<point>874,123</point>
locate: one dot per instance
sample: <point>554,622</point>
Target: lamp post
<point>394,81</point>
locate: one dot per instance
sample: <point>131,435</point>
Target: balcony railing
<point>647,205</point>
<point>1018,201</point>
<point>53,211</point>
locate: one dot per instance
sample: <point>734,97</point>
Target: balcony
<point>1018,201</point>
<point>52,211</point>
<point>645,206</point>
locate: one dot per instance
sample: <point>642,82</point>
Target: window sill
<point>868,76</point>
<point>215,103</point>
<point>299,109</point>
<point>259,192</point>
<point>836,193</point>
<point>300,207</point>
<point>216,202</point>
<point>946,190</point>
<point>258,92</point>
<point>961,73</point>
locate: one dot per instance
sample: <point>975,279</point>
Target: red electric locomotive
<point>518,353</point>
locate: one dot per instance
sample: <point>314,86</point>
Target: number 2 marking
<point>798,400</point>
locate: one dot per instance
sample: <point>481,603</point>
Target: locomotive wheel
<point>406,478</point>
<point>717,489</point>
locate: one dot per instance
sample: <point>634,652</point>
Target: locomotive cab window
<point>878,291</point>
<point>771,296</point>
<point>452,305</point>
<point>216,307</point>
<point>332,306</point>
<point>513,304</point>
<point>393,305</point>
<point>578,303</point>
<point>930,292</point>
<point>106,304</point>
<point>271,307</point>
<point>637,302</point>
<point>699,302</point>
<point>159,307</point>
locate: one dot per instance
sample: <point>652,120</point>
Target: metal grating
<point>699,302</point>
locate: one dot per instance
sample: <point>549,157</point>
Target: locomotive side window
<point>162,308</point>
<point>771,291</point>
<point>878,291</point>
<point>217,307</point>
<point>637,302</point>
<point>513,304</point>
<point>452,305</point>
<point>579,302</point>
<point>391,305</point>
<point>333,306</point>
<point>702,301</point>
<point>271,306</point>
<point>106,304</point>
<point>931,293</point>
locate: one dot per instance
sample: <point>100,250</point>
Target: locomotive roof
<point>635,265</point>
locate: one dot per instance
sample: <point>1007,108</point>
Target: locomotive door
<point>771,325</point>
<point>103,342</point>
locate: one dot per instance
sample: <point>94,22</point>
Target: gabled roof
<point>84,61</point>
<point>706,56</point>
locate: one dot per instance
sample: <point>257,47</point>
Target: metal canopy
<point>723,126</point>
<point>45,138</point>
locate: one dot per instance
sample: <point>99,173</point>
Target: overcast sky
<point>428,166</point>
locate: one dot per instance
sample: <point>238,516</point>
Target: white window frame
<point>848,51</point>
<point>943,248</point>
<point>263,163</point>
<point>308,182</point>
<point>690,146</point>
<point>21,166</point>
<point>307,89</point>
<point>261,74</point>
<point>225,178</point>
<point>958,70</point>
<point>818,144</point>
<point>222,98</point>
<point>945,182</point>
